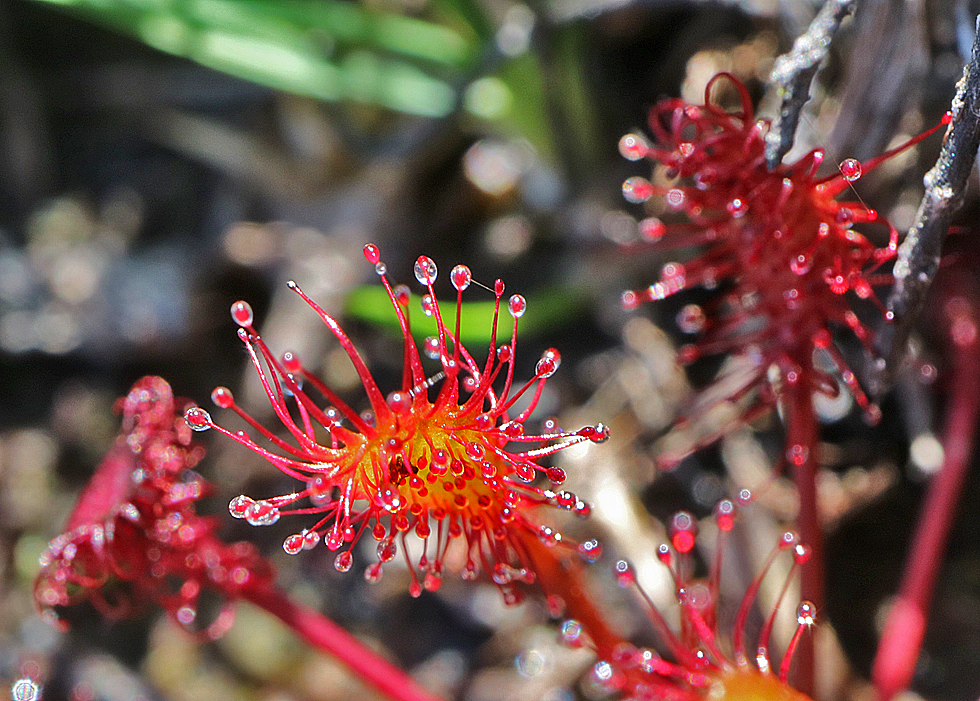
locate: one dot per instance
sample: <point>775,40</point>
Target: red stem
<point>905,627</point>
<point>801,444</point>
<point>324,634</point>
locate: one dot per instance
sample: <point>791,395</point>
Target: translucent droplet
<point>633,147</point>
<point>571,632</point>
<point>549,536</point>
<point>426,271</point>
<point>675,198</point>
<point>691,318</point>
<point>239,506</point>
<point>186,615</point>
<point>475,450</point>
<point>380,268</point>
<point>801,264</point>
<point>461,277</point>
<point>293,544</point>
<point>222,397</point>
<point>387,549</point>
<point>548,364</point>
<point>373,572</point>
<point>637,189</point>
<point>683,531</point>
<point>431,347</point>
<point>344,561</point>
<point>372,253</point>
<point>399,402</point>
<point>652,229</point>
<point>590,550</point>
<point>797,454</point>
<point>517,306</point>
<point>241,313</point>
<point>197,418</point>
<point>25,690</point>
<point>737,207</point>
<point>389,499</point>
<point>428,305</point>
<point>555,475</point>
<point>806,614</point>
<point>262,513</point>
<point>850,168</point>
<point>725,513</point>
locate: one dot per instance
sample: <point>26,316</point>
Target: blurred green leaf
<point>325,49</point>
<point>547,310</point>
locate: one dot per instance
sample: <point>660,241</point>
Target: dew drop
<point>25,690</point>
<point>380,268</point>
<point>291,362</point>
<point>197,418</point>
<point>725,513</point>
<point>675,197</point>
<point>389,499</point>
<point>624,573</point>
<point>293,544</point>
<point>475,450</point>
<point>548,364</point>
<point>652,229</point>
<point>797,454</point>
<point>806,614</point>
<point>310,540</point>
<point>691,318</point>
<point>399,402</point>
<point>597,434</point>
<point>630,300</point>
<point>373,572</point>
<point>571,632</point>
<point>590,550</point>
<point>683,531</point>
<point>674,276</point>
<point>802,553</point>
<point>549,536</point>
<point>517,306</point>
<point>432,581</point>
<point>431,347</point>
<point>261,513</point>
<point>637,189</point>
<point>633,147</point>
<point>737,207</point>
<point>800,265</point>
<point>556,475</point>
<point>185,615</point>
<point>372,253</point>
<point>222,397</point>
<point>387,549</point>
<point>344,561</point>
<point>426,271</point>
<point>850,168</point>
<point>428,305</point>
<point>241,313</point>
<point>461,277</point>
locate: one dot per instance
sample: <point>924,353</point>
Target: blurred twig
<point>918,256</point>
<point>793,73</point>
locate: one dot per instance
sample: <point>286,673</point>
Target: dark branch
<point>793,73</point>
<point>918,256</point>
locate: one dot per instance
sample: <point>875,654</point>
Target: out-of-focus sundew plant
<point>160,160</point>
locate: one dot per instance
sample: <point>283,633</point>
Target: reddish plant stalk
<point>901,640</point>
<point>325,635</point>
<point>801,447</point>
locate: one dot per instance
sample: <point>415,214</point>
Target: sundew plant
<point>575,351</point>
